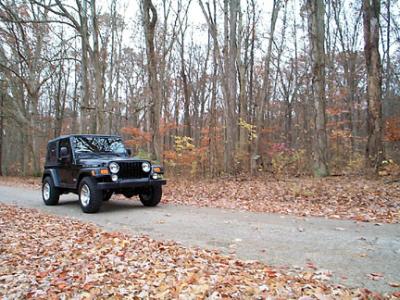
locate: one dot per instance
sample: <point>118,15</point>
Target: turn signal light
<point>157,169</point>
<point>104,172</point>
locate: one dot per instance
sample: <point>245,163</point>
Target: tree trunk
<point>58,103</point>
<point>227,72</point>
<point>113,12</point>
<point>374,150</point>
<point>232,123</point>
<point>242,66</point>
<point>186,93</point>
<point>2,96</point>
<point>316,30</point>
<point>74,127</point>
<point>85,92</point>
<point>98,123</point>
<point>260,107</point>
<point>388,62</point>
<point>149,22</point>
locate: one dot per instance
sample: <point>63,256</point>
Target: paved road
<point>346,248</point>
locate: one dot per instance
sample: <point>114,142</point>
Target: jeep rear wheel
<point>90,197</point>
<point>152,196</point>
<point>50,193</point>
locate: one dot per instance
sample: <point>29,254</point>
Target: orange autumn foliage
<point>138,136</point>
<point>392,129</point>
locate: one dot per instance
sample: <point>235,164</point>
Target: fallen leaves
<point>375,276</point>
<point>46,257</point>
<point>27,182</point>
<point>394,284</point>
<point>351,198</point>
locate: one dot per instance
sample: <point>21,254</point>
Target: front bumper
<point>130,183</point>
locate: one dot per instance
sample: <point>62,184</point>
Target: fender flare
<point>83,173</point>
<point>54,175</point>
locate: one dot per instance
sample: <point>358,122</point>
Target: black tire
<point>107,195</point>
<point>152,197</point>
<point>88,188</point>
<point>129,193</point>
<point>53,195</point>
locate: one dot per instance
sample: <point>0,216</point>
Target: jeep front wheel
<point>152,196</point>
<point>90,197</point>
<point>50,193</point>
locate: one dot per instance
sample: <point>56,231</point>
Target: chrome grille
<point>131,170</point>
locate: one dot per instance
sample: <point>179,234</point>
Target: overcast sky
<point>197,23</point>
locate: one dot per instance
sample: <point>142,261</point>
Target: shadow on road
<point>117,205</point>
<point>108,206</point>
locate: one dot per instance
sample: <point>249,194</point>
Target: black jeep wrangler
<point>95,167</point>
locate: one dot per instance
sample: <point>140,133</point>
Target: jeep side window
<point>51,153</point>
<point>65,143</point>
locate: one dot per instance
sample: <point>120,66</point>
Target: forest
<point>277,123</point>
<point>208,88</point>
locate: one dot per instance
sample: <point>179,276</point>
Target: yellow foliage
<point>251,129</point>
<point>390,167</point>
<point>183,143</point>
<point>185,157</point>
<point>292,162</point>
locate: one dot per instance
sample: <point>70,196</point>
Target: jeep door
<point>66,166</point>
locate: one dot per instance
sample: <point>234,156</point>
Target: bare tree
<point>24,66</point>
<point>228,74</point>
<point>347,40</point>
<point>211,19</point>
<point>184,76</point>
<point>265,92</point>
<point>82,28</point>
<point>316,31</point>
<point>149,23</point>
<point>2,96</point>
<point>232,8</point>
<point>374,149</point>
<point>98,123</point>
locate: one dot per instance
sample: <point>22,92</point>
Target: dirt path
<point>350,250</point>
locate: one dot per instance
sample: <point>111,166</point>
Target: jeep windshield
<point>98,145</point>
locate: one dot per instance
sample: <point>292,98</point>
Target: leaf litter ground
<point>49,257</point>
<point>352,198</point>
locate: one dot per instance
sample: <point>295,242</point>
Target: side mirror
<point>129,151</point>
<point>64,153</point>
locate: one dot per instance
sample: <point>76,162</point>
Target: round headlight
<point>114,167</point>
<point>146,167</point>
